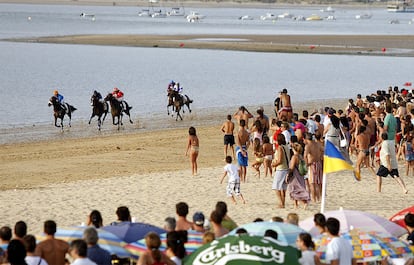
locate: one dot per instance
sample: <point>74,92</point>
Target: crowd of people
<point>21,248</point>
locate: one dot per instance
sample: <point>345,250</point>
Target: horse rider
<point>177,88</point>
<point>119,95</point>
<point>59,98</point>
<point>98,96</point>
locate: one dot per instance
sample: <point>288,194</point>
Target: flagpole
<point>323,193</point>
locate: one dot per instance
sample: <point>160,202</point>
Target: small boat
<point>268,16</point>
<point>285,15</point>
<point>176,11</point>
<point>329,9</point>
<point>145,13</point>
<point>158,14</point>
<point>363,16</point>
<point>394,21</point>
<point>313,18</point>
<point>246,17</point>
<point>194,16</point>
<point>86,15</point>
<point>299,18</point>
<point>330,17</point>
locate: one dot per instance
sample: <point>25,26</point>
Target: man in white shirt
<point>339,250</point>
<point>78,251</point>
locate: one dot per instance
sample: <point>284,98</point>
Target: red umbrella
<point>398,218</point>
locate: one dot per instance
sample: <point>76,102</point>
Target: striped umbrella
<point>194,241</point>
<point>107,240</point>
<point>287,233</point>
<point>368,246</point>
<point>356,219</point>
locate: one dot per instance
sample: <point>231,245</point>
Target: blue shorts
<point>242,160</point>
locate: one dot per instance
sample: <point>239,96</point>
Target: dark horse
<point>99,108</point>
<point>60,110</point>
<point>117,110</point>
<point>178,101</point>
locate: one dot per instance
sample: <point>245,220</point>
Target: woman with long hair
<point>175,246</point>
<point>153,255</point>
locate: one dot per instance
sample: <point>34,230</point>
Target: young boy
<point>233,185</point>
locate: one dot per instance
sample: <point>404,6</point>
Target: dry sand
<point>66,177</point>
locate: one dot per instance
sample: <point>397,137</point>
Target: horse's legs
<point>90,119</point>
<point>70,119</point>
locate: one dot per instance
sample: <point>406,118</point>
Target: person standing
<point>281,163</point>
<point>243,114</point>
<point>228,129</point>
<point>193,145</point>
<point>241,150</point>
<point>286,106</point>
<point>389,163</point>
<point>313,156</point>
<point>233,184</point>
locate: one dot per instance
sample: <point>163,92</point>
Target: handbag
<point>343,142</point>
<point>302,168</point>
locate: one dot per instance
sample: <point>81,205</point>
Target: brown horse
<point>99,109</point>
<point>178,101</point>
<point>117,110</point>
<point>60,110</point>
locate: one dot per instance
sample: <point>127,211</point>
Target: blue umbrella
<point>131,232</point>
<point>287,233</point>
<point>107,240</point>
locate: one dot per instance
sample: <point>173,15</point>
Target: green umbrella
<point>244,249</point>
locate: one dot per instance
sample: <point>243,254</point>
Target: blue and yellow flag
<point>334,160</point>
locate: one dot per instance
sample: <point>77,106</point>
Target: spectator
<point>30,244</point>
<point>216,219</point>
<point>169,224</point>
<point>16,252</point>
<point>51,249</point>
<point>78,251</point>
<point>198,220</point>
<point>5,235</point>
<point>95,252</point>
<point>20,230</point>
<point>95,219</point>
<point>182,212</point>
<point>409,223</point>
<point>123,215</point>
<point>228,223</point>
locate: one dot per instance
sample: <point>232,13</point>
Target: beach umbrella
<point>398,218</point>
<point>131,232</point>
<point>350,219</point>
<point>286,233</point>
<point>244,250</point>
<point>368,246</point>
<point>194,241</point>
<point>107,240</point>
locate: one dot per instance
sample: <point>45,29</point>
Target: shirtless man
<point>243,114</point>
<point>362,142</point>
<point>241,150</point>
<point>313,155</point>
<point>286,109</point>
<point>228,128</point>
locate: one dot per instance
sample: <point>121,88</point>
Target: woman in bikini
<point>192,149</point>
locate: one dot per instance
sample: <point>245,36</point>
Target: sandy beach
<point>66,177</point>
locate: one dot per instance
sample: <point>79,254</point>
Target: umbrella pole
<point>323,193</point>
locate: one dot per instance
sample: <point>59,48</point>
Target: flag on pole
<point>334,160</point>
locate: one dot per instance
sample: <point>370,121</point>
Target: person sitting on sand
<point>78,251</point>
<point>123,215</point>
<point>227,222</point>
<point>169,224</point>
<point>95,219</point>
<point>175,246</point>
<point>409,223</point>
<point>181,209</point>
<point>198,220</point>
<point>95,252</point>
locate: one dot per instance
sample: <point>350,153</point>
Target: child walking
<point>233,184</point>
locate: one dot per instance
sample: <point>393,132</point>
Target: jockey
<point>178,88</point>
<point>59,98</point>
<point>119,95</point>
<point>97,95</point>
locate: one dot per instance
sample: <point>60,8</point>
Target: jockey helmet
<point>55,92</point>
<point>116,89</point>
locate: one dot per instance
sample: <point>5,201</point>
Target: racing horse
<point>177,100</point>
<point>117,110</point>
<point>60,110</point>
<point>99,108</point>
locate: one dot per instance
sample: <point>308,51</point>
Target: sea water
<point>29,72</point>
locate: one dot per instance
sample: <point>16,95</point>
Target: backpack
<point>302,168</point>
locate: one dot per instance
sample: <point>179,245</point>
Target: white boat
<point>145,13</point>
<point>268,16</point>
<point>363,16</point>
<point>158,14</point>
<point>329,9</point>
<point>331,17</point>
<point>176,11</point>
<point>313,18</point>
<point>400,7</point>
<point>286,15</point>
<point>194,16</point>
<point>246,17</point>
